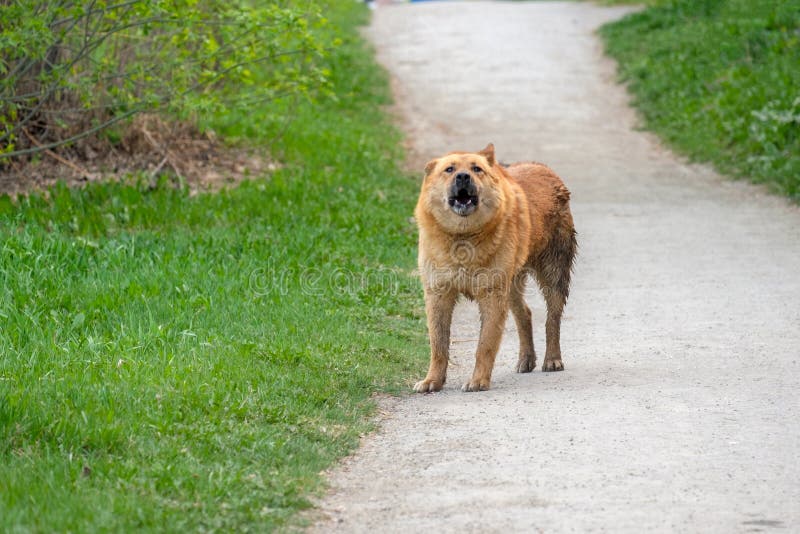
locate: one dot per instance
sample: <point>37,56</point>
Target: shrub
<point>69,69</point>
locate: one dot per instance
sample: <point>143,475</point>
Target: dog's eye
<point>476,169</point>
<point>450,169</point>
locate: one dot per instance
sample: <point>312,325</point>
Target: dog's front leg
<point>439,309</point>
<point>494,310</point>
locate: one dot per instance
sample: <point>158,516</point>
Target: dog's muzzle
<point>463,198</point>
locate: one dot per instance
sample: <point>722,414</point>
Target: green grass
<point>628,2</point>
<point>720,81</point>
<point>177,363</point>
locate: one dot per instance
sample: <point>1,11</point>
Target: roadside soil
<point>678,410</point>
<point>148,147</point>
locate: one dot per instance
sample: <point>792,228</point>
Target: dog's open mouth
<point>463,202</point>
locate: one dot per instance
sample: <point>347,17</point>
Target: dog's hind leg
<point>553,272</point>
<point>523,318</point>
<point>555,307</point>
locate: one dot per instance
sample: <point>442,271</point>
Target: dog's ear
<point>488,153</point>
<point>430,165</point>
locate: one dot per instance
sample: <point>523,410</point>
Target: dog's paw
<point>525,364</point>
<point>552,365</point>
<point>476,385</point>
<point>428,386</point>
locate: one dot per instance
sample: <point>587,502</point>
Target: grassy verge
<point>719,81</point>
<point>184,363</point>
<point>628,2</point>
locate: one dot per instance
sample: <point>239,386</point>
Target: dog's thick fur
<point>483,228</point>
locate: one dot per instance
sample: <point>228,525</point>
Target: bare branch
<point>72,139</point>
<point>73,166</point>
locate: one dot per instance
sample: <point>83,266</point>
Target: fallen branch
<point>77,168</point>
<point>164,152</point>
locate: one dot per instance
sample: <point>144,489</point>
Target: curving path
<point>679,408</point>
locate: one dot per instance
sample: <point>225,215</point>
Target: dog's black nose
<point>463,180</point>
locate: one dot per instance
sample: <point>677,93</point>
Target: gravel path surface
<point>678,410</point>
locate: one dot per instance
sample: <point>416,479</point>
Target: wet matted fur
<point>483,228</point>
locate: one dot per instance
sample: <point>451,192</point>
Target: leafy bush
<point>720,80</point>
<point>69,69</point>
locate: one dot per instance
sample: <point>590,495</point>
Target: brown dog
<point>482,229</point>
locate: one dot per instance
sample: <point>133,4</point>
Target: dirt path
<point>678,409</point>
